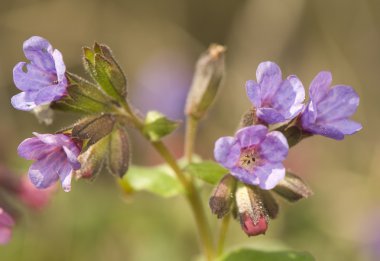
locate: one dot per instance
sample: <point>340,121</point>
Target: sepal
<point>293,188</point>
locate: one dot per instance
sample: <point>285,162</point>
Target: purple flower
<point>254,155</point>
<point>274,99</point>
<point>329,109</point>
<point>6,224</point>
<point>43,79</point>
<point>55,156</point>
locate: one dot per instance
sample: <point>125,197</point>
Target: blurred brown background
<point>157,43</point>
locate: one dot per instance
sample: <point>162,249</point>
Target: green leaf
<point>208,171</point>
<point>246,254</point>
<point>157,125</point>
<point>159,180</point>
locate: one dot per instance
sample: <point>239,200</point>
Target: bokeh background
<point>157,43</point>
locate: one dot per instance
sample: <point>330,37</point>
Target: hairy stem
<point>192,194</point>
<point>223,234</point>
<point>191,131</point>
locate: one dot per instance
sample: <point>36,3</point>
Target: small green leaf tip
<point>157,125</point>
<point>104,69</point>
<point>207,79</point>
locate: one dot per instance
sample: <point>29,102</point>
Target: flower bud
<point>33,198</point>
<point>293,188</point>
<point>93,160</point>
<point>6,225</point>
<point>251,210</point>
<point>249,118</point>
<point>222,197</point>
<point>207,78</point>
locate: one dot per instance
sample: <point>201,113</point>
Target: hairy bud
<point>207,79</point>
<point>223,196</point>
<point>251,210</point>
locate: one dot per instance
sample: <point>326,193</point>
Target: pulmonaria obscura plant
<point>249,167</point>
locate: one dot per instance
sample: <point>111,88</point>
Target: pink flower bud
<point>6,224</point>
<point>252,228</point>
<point>32,197</point>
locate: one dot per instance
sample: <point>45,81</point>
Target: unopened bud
<point>118,154</point>
<point>251,210</point>
<point>293,188</point>
<point>207,79</point>
<point>223,196</point>
<point>93,160</point>
<point>249,118</point>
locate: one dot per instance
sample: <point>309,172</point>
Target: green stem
<point>192,194</point>
<point>223,234</point>
<point>193,198</point>
<point>191,131</point>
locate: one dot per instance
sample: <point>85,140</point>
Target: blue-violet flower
<point>43,79</point>
<point>329,109</point>
<point>56,158</point>
<point>254,155</point>
<point>274,99</point>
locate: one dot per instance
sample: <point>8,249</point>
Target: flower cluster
<point>280,119</point>
<point>79,150</point>
<point>253,157</point>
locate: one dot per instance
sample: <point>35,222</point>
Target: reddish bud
<point>252,228</point>
<point>251,210</point>
<point>34,198</point>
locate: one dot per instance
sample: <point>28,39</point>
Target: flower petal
<point>34,149</point>
<point>53,139</point>
<point>227,151</point>
<point>250,136</point>
<point>340,103</point>
<point>245,176</point>
<point>269,77</point>
<point>65,174</point>
<point>324,130</point>
<point>72,156</point>
<point>50,93</point>
<point>28,77</point>
<point>274,148</point>
<point>270,115</point>
<point>320,86</point>
<point>270,175</point>
<point>289,97</point>
<point>60,66</point>
<point>44,173</point>
<point>24,101</point>
<point>253,93</point>
<point>39,51</point>
<point>347,127</point>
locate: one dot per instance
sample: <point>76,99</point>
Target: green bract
<point>157,125</point>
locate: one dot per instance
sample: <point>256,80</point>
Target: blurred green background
<point>157,43</point>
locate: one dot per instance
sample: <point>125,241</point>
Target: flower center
<point>248,159</point>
